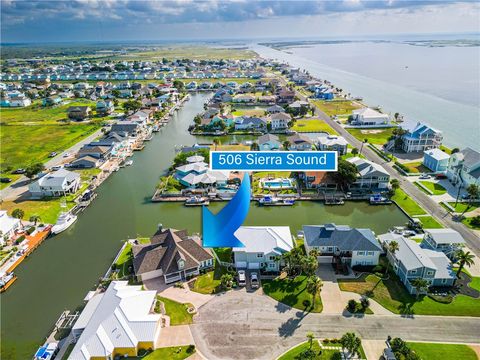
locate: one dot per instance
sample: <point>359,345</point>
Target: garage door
<point>254,265</point>
<point>241,264</point>
<point>325,259</point>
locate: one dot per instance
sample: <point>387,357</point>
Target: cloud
<point>25,19</point>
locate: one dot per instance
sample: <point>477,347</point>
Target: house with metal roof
<point>263,246</point>
<point>447,241</point>
<point>171,255</point>
<point>327,142</point>
<point>436,160</point>
<point>58,183</point>
<point>342,244</point>
<point>371,176</point>
<point>369,117</point>
<point>411,261</point>
<point>421,138</point>
<point>117,323</point>
<point>464,167</point>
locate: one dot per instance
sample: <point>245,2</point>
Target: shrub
<point>336,356</point>
<point>190,349</point>
<point>19,239</point>
<point>441,299</point>
<point>306,303</point>
<point>403,167</point>
<point>30,230</point>
<point>475,220</point>
<point>352,305</point>
<point>365,303</point>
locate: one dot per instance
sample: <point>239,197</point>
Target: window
<point>259,255</point>
<point>444,281</point>
<point>413,271</point>
<point>271,265</point>
<point>361,253</point>
<point>430,272</point>
<point>271,258</point>
<point>330,249</point>
<point>370,253</point>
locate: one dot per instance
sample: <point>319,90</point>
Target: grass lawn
<point>336,107</point>
<point>407,204</point>
<point>224,254</point>
<point>392,295</point>
<point>435,188</point>
<point>170,353</point>
<point>375,136</point>
<point>42,140</point>
<point>47,209</point>
<point>209,283</point>
<point>124,260</point>
<point>88,174</point>
<point>292,292</point>
<point>416,167</point>
<point>312,125</point>
<point>177,311</point>
<point>461,207</point>
<point>429,222</point>
<point>238,147</point>
<point>468,222</point>
<point>434,351</point>
<point>295,352</point>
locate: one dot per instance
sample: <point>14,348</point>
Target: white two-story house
<point>263,247</point>
<point>370,176</point>
<point>464,167</point>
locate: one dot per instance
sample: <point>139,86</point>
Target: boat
<point>156,128</point>
<point>129,162</point>
<point>196,201</point>
<point>274,201</point>
<point>47,351</point>
<point>65,220</point>
<point>6,280</point>
<point>378,199</point>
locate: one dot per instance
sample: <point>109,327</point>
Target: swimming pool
<point>277,184</point>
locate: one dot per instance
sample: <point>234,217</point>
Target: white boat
<point>274,201</point>
<point>129,162</point>
<point>65,220</point>
<point>196,201</point>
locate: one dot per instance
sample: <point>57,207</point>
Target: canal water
<point>61,271</point>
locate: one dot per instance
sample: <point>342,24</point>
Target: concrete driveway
<point>373,348</point>
<point>179,335</point>
<point>244,325</point>
<point>181,295</point>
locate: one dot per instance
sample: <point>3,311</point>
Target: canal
<point>61,271</point>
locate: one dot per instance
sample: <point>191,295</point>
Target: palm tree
<point>216,142</point>
<point>464,258</point>
<point>310,338</point>
<point>254,147</point>
<point>473,190</point>
<point>314,284</point>
<point>315,253</point>
<point>286,144</point>
<point>309,265</point>
<point>420,285</point>
<point>392,249</point>
<point>351,342</point>
<point>34,218</point>
<point>364,142</point>
<point>18,214</point>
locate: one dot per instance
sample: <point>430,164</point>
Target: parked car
<point>52,154</point>
<point>425,176</point>
<point>56,167</point>
<point>19,171</point>
<point>5,180</point>
<point>441,176</point>
<point>241,278</point>
<point>66,155</point>
<point>254,280</point>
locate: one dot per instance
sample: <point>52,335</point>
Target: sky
<point>117,20</point>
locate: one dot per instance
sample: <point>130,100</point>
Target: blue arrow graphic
<point>218,230</point>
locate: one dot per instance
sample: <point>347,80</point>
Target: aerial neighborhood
<point>390,235</point>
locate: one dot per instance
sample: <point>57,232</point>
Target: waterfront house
<point>244,98</point>
<point>280,121</point>
<point>263,246</point>
<point>436,160</point>
<point>117,323</point>
<point>327,142</point>
<point>58,183</point>
<point>369,118</point>
<point>78,113</point>
<point>8,226</point>
<point>96,151</point>
<point>250,123</point>
<point>317,180</point>
<point>85,162</point>
<point>370,176</point>
<point>286,96</point>
<point>411,261</point>
<point>122,127</point>
<point>299,142</point>
<point>269,142</point>
<point>172,255</point>
<point>421,139</point>
<point>447,241</point>
<point>341,244</point>
<point>464,167</point>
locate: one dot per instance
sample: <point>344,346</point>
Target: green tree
<point>473,191</point>
<point>254,147</point>
<point>464,258</point>
<point>18,214</point>
<point>131,105</point>
<point>395,184</point>
<point>392,249</point>
<point>286,144</point>
<point>351,343</point>
<point>310,338</point>
<point>361,147</point>
<point>309,265</point>
<point>179,85</point>
<point>33,170</point>
<point>35,218</point>
<point>346,173</point>
<point>314,284</point>
<point>226,281</point>
<point>354,151</point>
<point>420,285</point>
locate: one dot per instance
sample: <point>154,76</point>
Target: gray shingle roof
<point>341,236</point>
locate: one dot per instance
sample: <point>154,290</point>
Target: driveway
<point>373,348</point>
<point>181,295</point>
<point>244,325</point>
<point>179,335</point>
